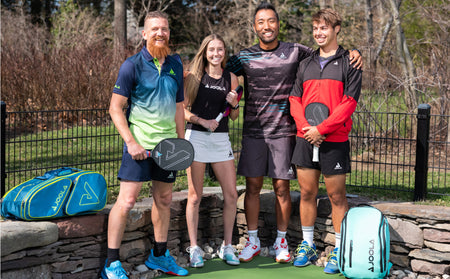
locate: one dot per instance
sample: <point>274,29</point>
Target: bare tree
<point>120,24</point>
<point>138,9</point>
<point>405,59</point>
<point>326,4</point>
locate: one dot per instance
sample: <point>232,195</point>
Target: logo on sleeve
<point>172,72</point>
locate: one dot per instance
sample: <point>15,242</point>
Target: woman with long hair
<point>208,86</point>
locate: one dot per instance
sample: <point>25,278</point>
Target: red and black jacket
<point>337,85</point>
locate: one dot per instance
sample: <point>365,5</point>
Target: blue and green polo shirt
<point>152,91</point>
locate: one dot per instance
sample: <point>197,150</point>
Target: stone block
<point>133,248</point>
<point>267,202</point>
<point>399,249</point>
<point>294,223</point>
<point>129,236</point>
<point>436,235</point>
<point>399,259</point>
<point>240,203</point>
<point>270,219</point>
<point>81,226</point>
<point>405,232</point>
<point>413,211</point>
<point>35,272</point>
<point>430,255</point>
<point>18,235</point>
<point>14,256</point>
<point>240,219</point>
<point>329,238</point>
<point>427,267</point>
<point>437,246</point>
<point>67,266</point>
<point>323,207</point>
<point>138,217</point>
<point>91,251</point>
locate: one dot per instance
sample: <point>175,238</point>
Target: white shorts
<point>210,147</point>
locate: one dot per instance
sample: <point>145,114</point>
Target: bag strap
<point>58,172</point>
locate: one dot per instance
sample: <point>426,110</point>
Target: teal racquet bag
<point>58,193</point>
<point>365,243</point>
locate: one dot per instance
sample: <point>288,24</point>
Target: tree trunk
<point>405,59</point>
<point>372,63</point>
<point>120,24</point>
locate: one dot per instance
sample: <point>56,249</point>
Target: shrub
<point>72,66</point>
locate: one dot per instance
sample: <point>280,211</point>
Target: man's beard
<point>158,51</point>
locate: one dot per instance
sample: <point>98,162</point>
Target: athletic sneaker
<point>195,256</point>
<point>114,271</point>
<point>251,249</point>
<point>281,250</point>
<point>165,263</point>
<point>332,264</point>
<point>305,254</point>
<point>227,253</point>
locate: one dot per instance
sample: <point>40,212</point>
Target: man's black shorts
<point>334,157</point>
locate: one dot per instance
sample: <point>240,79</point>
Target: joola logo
<point>371,252</point>
<point>59,198</point>
<point>214,87</point>
<point>89,197</point>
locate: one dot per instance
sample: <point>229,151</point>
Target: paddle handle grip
<point>315,154</point>
<point>219,117</point>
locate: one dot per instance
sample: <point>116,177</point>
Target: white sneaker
<point>252,249</point>
<point>227,253</point>
<point>281,250</point>
<point>195,256</point>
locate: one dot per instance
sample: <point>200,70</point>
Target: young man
<point>151,84</point>
<point>324,78</point>
<point>269,69</point>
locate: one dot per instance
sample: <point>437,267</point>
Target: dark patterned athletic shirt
<point>210,101</point>
<point>269,77</point>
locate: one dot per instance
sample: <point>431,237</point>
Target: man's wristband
<point>235,107</point>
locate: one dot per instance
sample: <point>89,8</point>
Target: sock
<point>159,249</point>
<point>281,234</point>
<point>113,255</point>
<point>308,234</point>
<point>338,240</point>
<point>253,234</point>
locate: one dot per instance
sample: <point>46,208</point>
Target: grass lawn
<point>258,268</point>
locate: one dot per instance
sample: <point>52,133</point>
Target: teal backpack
<point>365,244</point>
<point>58,193</point>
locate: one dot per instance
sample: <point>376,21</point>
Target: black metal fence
<point>391,151</point>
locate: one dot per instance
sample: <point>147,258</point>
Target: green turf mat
<point>258,268</point>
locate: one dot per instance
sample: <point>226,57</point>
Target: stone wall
<point>76,247</point>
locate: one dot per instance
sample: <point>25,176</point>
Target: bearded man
<point>150,85</point>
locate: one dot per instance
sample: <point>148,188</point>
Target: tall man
<point>324,78</point>
<point>269,70</point>
<point>151,84</point>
